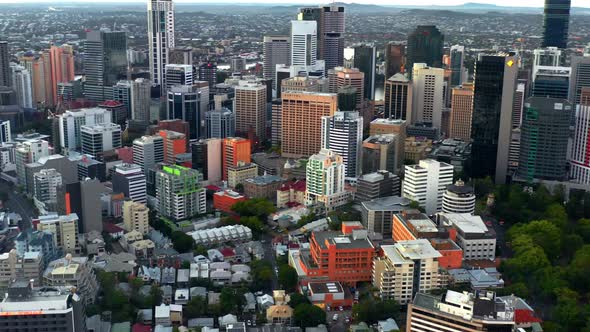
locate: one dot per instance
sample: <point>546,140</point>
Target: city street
<point>17,203</point>
<point>269,255</point>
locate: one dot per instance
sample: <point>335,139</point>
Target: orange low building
<point>345,256</point>
<point>329,293</point>
<point>412,224</point>
<point>224,200</point>
<point>452,254</point>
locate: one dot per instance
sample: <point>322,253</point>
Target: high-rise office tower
<point>425,45</point>
<point>118,111</point>
<point>174,144</point>
<point>148,151</point>
<point>160,38</point>
<point>495,83</point>
<point>45,183</point>
<point>5,132</point>
<point>546,57</point>
<point>398,98</point>
<point>4,64</point>
<point>97,139</point>
<point>235,150</point>
<point>220,123</point>
<point>332,36</point>
<point>461,112</point>
<point>26,153</point>
<point>70,123</point>
<point>544,138</point>
<point>61,67</point>
<point>395,59</point>
<point>237,64</point>
<point>580,77</point>
<point>22,85</point>
<point>185,103</point>
<point>343,134</point>
<point>129,179</point>
<point>580,153</point>
<point>122,93</point>
<point>347,98</point>
<point>313,14</point>
<point>206,158</point>
<point>556,20</point>
<point>179,192</point>
<point>34,64</point>
<point>250,110</point>
<point>301,121</point>
<point>427,93</point>
<point>303,43</point>
<point>277,51</point>
<point>518,105</point>
<point>136,217</point>
<point>551,82</point>
<point>382,152</point>
<point>178,75</point>
<point>325,174</point>
<point>426,183</point>
<point>365,59</point>
<point>181,56</point>
<point>208,73</point>
<point>340,77</point>
<point>140,99</point>
<point>457,66</point>
<point>105,63</point>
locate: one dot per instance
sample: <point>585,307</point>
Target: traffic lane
<point>339,324</point>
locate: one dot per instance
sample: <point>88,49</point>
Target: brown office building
<point>250,110</point>
<point>395,59</point>
<point>340,77</point>
<point>461,112</point>
<point>301,121</point>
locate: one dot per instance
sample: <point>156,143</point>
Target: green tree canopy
<point>182,242</point>
<point>288,278</point>
<point>308,315</point>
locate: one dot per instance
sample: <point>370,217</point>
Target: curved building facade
<point>459,198</point>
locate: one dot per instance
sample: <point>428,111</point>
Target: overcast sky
<point>531,3</point>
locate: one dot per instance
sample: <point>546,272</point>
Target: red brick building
<point>224,200</point>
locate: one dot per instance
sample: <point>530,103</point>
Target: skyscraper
<point>340,77</point>
<point>313,14</point>
<point>174,144</point>
<point>495,83</point>
<point>140,99</point>
<point>277,51</point>
<point>343,134</point>
<point>60,66</point>
<point>580,153</point>
<point>365,59</point>
<point>181,56</point>
<point>425,45</point>
<point>160,38</point>
<point>457,67</point>
<point>250,110</point>
<point>427,93</point>
<point>556,20</point>
<point>178,75</point>
<point>148,151</point>
<point>580,77</point>
<point>426,183</point>
<point>235,150</point>
<point>325,173</point>
<point>70,123</point>
<point>97,139</point>
<point>129,179</point>
<point>185,103</point>
<point>4,64</point>
<point>301,121</point>
<point>21,82</point>
<point>395,58</point>
<point>220,123</point>
<point>544,136</point>
<point>122,92</point>
<point>398,98</point>
<point>105,63</point>
<point>303,43</point>
<point>461,112</point>
<point>208,73</point>
<point>332,36</point>
<point>179,192</point>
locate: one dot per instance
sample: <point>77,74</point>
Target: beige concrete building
<point>340,77</point>
<point>461,112</point>
<point>64,230</point>
<point>250,109</point>
<point>417,149</point>
<point>28,267</point>
<point>391,126</point>
<point>301,121</point>
<point>136,217</point>
<point>74,272</point>
<point>240,173</point>
<point>406,268</point>
<point>279,314</point>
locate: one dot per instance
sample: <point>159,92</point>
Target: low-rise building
<point>28,267</point>
<point>291,193</point>
<point>279,314</point>
<point>75,272</point>
<point>239,173</point>
<point>264,186</point>
<point>330,293</point>
<point>417,148</point>
<point>413,224</point>
<point>224,200</point>
<point>471,234</point>
<point>222,234</point>
<point>377,214</point>
<point>136,217</point>
<point>142,248</point>
<point>64,229</point>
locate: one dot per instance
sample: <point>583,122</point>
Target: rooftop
<point>325,287</point>
<point>264,179</point>
<point>389,203</point>
<point>404,251</point>
<point>466,222</point>
<point>341,241</point>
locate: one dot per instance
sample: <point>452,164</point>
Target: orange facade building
<point>301,121</point>
<point>339,256</point>
<point>461,112</point>
<point>235,150</point>
<point>174,143</point>
<point>61,68</point>
<point>452,254</point>
<point>224,200</point>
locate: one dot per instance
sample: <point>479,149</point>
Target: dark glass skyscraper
<point>208,73</point>
<point>425,45</point>
<point>4,64</point>
<point>556,21</point>
<point>544,136</point>
<point>365,60</point>
<point>395,58</point>
<point>332,36</point>
<point>495,83</point>
<point>105,63</point>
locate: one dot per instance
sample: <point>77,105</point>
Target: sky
<point>519,3</point>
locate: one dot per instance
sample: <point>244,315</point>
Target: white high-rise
<point>148,151</point>
<point>580,155</point>
<point>140,99</point>
<point>70,123</point>
<point>21,82</point>
<point>303,43</point>
<point>428,89</point>
<point>426,183</point>
<point>160,37</point>
<point>343,134</point>
<point>179,75</point>
<point>325,179</point>
<point>5,132</point>
<point>97,139</point>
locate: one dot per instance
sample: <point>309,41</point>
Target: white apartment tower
<point>97,139</point>
<point>71,122</point>
<point>426,183</point>
<point>343,134</point>
<point>580,152</point>
<point>428,89</point>
<point>160,37</point>
<point>325,174</point>
<point>140,99</point>
<point>148,151</point>
<point>303,43</point>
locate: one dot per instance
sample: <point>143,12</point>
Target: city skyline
<point>397,3</point>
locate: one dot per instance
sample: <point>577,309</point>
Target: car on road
<point>340,308</point>
<point>335,317</point>
<point>488,223</point>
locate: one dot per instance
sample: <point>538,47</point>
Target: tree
<point>578,270</point>
<point>155,297</point>
<point>255,207</point>
<point>288,278</point>
<point>415,205</point>
<point>253,223</point>
<point>182,242</point>
<point>371,311</point>
<point>543,233</point>
<point>196,307</point>
<point>296,299</point>
<point>231,300</point>
<point>308,315</point>
<point>239,188</point>
<point>262,274</point>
